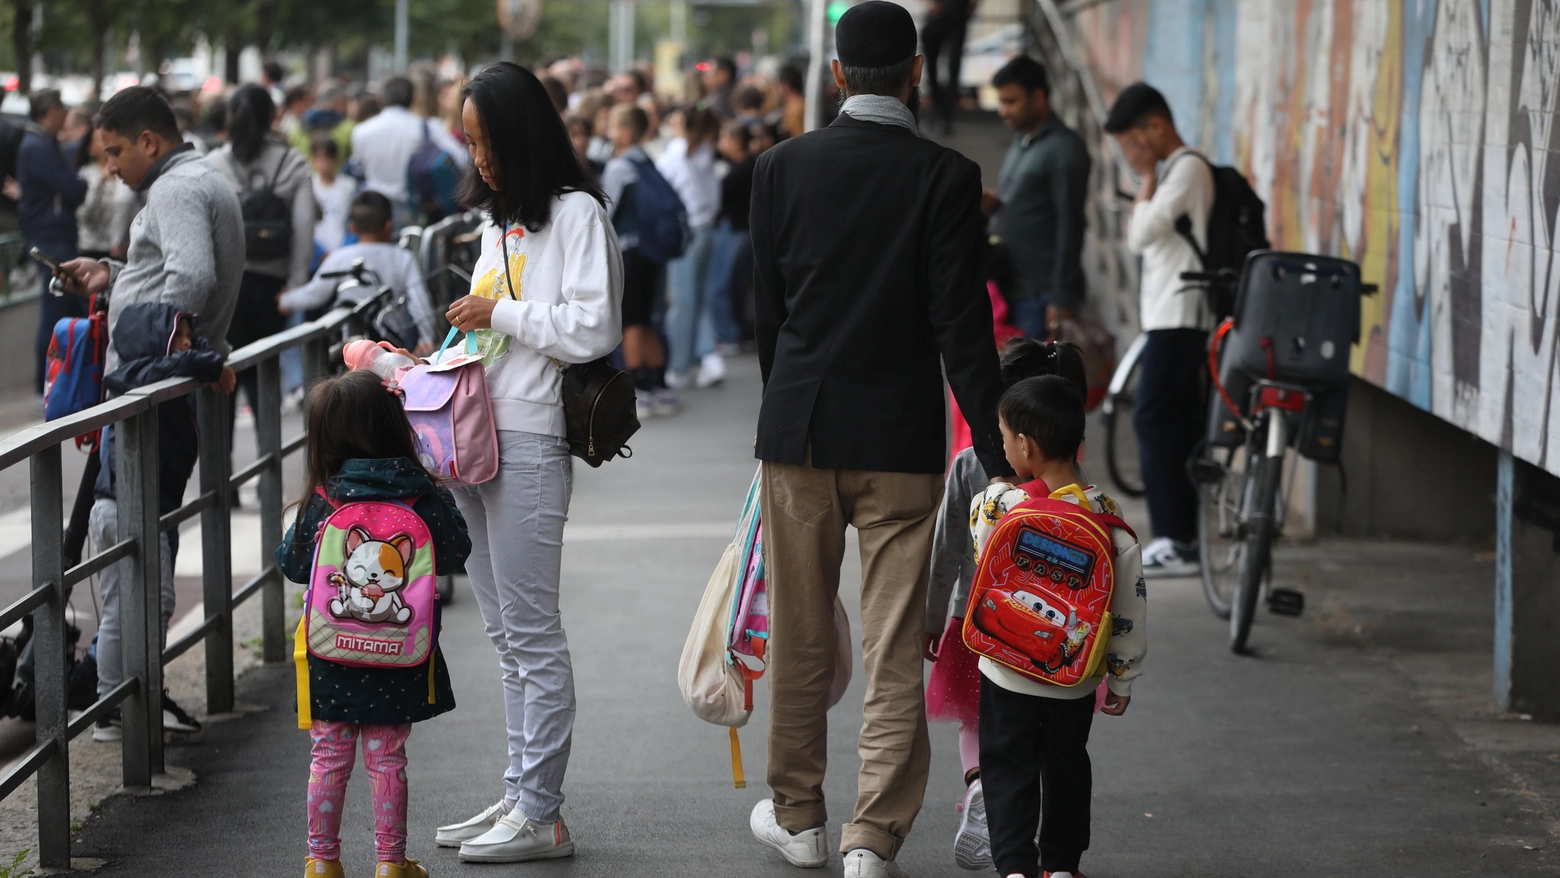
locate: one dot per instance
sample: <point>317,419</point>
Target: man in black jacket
<point>868,285</point>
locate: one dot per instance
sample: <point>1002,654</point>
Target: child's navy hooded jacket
<point>143,336</point>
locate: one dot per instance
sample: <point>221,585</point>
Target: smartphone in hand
<point>44,258</point>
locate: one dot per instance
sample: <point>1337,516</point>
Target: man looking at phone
<point>50,193</point>
<point>187,244</point>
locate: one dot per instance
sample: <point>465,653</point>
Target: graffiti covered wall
<point>1416,137</point>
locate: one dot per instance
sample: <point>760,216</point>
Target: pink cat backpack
<point>372,599</point>
<point>452,416</point>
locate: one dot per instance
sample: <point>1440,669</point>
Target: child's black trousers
<point>1034,768</point>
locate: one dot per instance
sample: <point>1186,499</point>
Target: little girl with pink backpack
<point>371,533</point>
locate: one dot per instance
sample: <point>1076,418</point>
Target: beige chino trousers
<point>805,513</point>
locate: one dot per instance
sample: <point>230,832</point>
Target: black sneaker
<point>174,717</point>
<point>109,728</point>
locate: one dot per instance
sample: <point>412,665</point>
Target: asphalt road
<point>1311,761</point>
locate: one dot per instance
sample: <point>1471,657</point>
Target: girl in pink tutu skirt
<point>953,691</point>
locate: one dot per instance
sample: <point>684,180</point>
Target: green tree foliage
<point>90,35</point>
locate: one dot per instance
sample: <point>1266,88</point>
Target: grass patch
<point>15,869</point>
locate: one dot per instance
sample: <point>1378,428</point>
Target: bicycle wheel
<point>1221,529</point>
<point>1121,448</point>
<point>1267,471</point>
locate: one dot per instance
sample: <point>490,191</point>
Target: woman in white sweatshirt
<point>546,292</point>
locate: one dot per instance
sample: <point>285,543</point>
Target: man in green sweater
<point>1037,208</point>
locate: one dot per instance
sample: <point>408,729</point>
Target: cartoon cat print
<point>368,588</point>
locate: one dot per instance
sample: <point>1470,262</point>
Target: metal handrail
<point>134,416</point>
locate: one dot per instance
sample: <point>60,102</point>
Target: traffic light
<point>837,8</point>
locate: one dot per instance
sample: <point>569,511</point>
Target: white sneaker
<point>862,863</point>
<point>807,849</point>
<point>712,371</point>
<point>457,834</point>
<point>516,838</point>
<point>1163,558</point>
<point>109,729</point>
<point>644,405</point>
<point>972,844</point>
<point>678,380</point>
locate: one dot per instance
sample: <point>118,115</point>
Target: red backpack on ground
<point>1040,602</point>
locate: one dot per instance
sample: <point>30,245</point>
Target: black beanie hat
<point>875,34</point>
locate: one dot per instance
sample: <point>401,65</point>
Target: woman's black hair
<point>379,428</point>
<point>1027,358</point>
<point>250,114</point>
<point>1049,410</point>
<point>529,143</point>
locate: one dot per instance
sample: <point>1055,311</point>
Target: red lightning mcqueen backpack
<point>1040,602</point>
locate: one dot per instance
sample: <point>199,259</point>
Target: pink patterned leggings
<point>384,756</point>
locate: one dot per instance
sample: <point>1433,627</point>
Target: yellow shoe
<point>313,868</point>
<point>391,870</point>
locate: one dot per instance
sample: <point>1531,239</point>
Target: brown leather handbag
<point>599,414</point>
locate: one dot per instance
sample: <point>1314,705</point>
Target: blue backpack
<point>659,215</point>
<point>432,178</point>
<point>73,379</point>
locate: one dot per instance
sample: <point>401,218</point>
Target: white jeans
<point>516,526</point>
<point>103,526</point>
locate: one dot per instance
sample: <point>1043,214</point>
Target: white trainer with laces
<point>712,371</point>
<point>1164,558</point>
<point>807,849</point>
<point>862,863</point>
<point>516,838</point>
<point>456,834</point>
<point>972,844</point>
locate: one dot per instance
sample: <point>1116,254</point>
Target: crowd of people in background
<point>297,153</point>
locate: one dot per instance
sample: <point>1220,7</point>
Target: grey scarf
<point>881,109</point>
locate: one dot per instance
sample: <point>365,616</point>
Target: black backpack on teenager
<point>267,216</point>
<point>1237,225</point>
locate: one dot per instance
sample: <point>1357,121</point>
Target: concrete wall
<point>1535,593</point>
<point>1410,475</point>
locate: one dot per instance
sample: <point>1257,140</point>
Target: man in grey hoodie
<point>187,244</point>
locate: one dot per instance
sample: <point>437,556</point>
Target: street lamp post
<point>620,36</point>
<point>401,27</point>
<point>818,61</point>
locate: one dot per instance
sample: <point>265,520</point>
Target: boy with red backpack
<point>1058,603</point>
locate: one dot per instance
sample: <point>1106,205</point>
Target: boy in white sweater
<point>1033,734</point>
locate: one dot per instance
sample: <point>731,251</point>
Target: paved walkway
<point>1348,747</point>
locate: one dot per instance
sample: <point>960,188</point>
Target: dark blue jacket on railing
<point>144,337</point>
<point>51,192</point>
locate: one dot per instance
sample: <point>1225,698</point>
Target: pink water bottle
<point>377,357</point>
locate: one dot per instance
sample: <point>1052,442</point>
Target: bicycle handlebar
<point>1223,276</point>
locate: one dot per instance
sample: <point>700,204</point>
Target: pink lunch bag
<point>452,416</point>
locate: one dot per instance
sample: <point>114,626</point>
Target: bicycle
<point>1241,507</point>
<point>376,308</point>
<point>1121,451</point>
